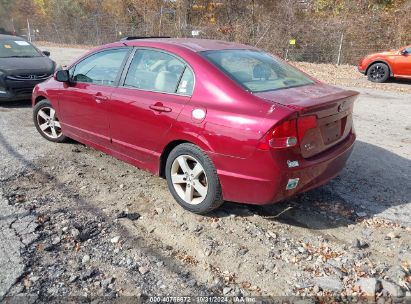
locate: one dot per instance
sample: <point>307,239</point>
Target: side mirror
<point>62,76</point>
<point>47,53</point>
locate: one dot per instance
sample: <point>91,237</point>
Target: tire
<point>47,123</point>
<point>202,186</point>
<point>378,72</point>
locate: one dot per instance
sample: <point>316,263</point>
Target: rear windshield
<point>257,71</point>
<point>17,48</point>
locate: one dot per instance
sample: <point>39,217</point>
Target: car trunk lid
<point>332,108</point>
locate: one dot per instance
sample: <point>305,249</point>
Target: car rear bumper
<point>265,178</point>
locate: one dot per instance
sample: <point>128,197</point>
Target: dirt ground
<point>76,222</point>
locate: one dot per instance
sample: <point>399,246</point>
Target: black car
<point>22,66</point>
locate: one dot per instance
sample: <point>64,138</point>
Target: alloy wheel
<point>189,179</point>
<point>49,123</point>
<point>377,72</point>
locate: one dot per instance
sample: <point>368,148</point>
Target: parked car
<point>379,67</point>
<point>22,66</point>
<point>219,120</point>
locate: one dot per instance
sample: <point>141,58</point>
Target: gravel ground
<point>76,222</point>
<point>348,76</point>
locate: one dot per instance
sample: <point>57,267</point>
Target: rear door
<point>83,104</point>
<point>151,95</point>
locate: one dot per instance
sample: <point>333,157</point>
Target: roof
<point>193,44</point>
<point>10,37</point>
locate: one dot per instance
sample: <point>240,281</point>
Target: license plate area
<point>332,131</point>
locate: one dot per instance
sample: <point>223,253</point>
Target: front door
<point>83,104</point>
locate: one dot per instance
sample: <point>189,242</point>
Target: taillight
<point>306,123</point>
<point>282,136</point>
<point>288,133</point>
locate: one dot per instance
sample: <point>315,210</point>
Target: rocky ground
<point>78,224</point>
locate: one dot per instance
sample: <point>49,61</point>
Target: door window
<point>101,68</point>
<point>156,71</point>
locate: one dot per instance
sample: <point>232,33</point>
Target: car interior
<point>154,71</point>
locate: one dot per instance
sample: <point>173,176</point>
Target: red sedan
<point>219,120</point>
<point>380,67</point>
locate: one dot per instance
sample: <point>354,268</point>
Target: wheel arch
<point>38,99</point>
<point>166,152</point>
<point>379,61</point>
<point>174,142</point>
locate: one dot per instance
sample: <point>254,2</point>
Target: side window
<point>409,50</point>
<point>101,68</point>
<point>154,71</point>
<point>186,85</point>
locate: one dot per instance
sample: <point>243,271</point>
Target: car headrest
<point>242,76</point>
<point>261,71</point>
<point>166,82</point>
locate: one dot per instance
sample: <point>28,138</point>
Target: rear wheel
<point>378,72</point>
<point>47,122</point>
<point>192,179</point>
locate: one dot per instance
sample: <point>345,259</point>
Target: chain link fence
<point>333,46</point>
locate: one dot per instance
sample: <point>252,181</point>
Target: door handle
<point>100,98</point>
<point>158,107</point>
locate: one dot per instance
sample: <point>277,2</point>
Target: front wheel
<point>378,72</point>
<point>192,179</point>
<point>47,122</point>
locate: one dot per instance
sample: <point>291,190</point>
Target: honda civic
<point>220,121</point>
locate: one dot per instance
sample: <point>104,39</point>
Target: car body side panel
<point>50,89</point>
<point>402,66</point>
<point>136,129</point>
<point>149,166</point>
<point>216,94</point>
<point>399,64</point>
<point>234,118</point>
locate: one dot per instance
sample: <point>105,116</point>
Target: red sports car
<point>380,67</point>
<point>219,120</point>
